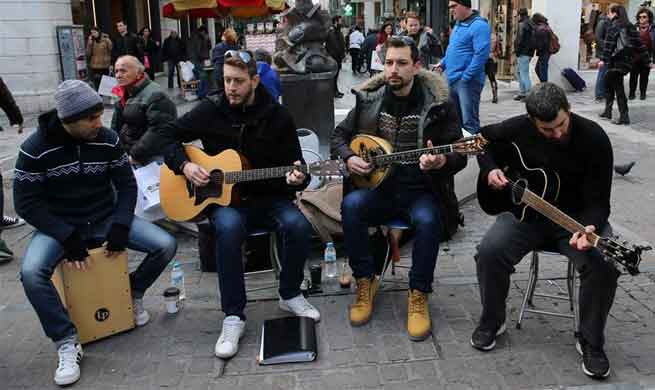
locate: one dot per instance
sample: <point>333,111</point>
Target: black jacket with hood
<point>264,133</point>
<point>439,122</point>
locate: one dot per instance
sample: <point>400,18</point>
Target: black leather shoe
<point>642,96</point>
<point>631,96</point>
<point>624,119</point>
<point>594,361</point>
<point>606,114</point>
<point>485,340</point>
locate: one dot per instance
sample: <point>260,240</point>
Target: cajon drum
<point>99,299</point>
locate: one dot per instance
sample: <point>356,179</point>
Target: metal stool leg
<point>573,296</point>
<point>529,291</point>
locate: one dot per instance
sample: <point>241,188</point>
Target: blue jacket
<point>270,79</point>
<point>468,50</point>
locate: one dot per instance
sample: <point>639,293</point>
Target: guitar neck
<point>261,173</point>
<point>556,215</point>
<point>410,155</point>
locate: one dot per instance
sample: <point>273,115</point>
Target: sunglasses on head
<point>243,55</point>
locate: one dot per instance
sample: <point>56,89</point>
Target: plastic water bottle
<point>330,260</point>
<point>177,278</point>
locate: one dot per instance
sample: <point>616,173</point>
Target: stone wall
<point>29,55</point>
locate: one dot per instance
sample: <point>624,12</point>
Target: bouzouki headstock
<point>471,145</point>
<point>326,168</point>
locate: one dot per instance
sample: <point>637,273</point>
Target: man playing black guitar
<point>554,139</point>
<point>246,118</point>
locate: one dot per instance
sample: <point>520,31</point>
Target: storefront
<point>503,18</point>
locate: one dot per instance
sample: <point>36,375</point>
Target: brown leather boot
<point>362,310</point>
<point>419,325</point>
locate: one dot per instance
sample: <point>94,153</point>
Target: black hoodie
<point>264,132</point>
<point>62,183</point>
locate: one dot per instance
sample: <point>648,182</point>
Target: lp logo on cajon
<point>102,314</point>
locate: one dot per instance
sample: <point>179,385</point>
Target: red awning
<point>176,9</point>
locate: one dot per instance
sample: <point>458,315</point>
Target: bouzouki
<point>379,153</point>
<point>529,195</point>
<point>184,201</point>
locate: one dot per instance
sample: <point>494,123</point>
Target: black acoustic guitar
<point>530,194</point>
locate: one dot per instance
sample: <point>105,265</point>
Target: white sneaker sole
<point>283,306</point>
<point>578,347</point>
<point>65,381</point>
<point>491,346</point>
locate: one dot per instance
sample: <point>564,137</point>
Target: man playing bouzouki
<point>409,107</point>
<point>244,117</point>
<point>552,138</point>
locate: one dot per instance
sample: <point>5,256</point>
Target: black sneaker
<point>9,222</point>
<point>485,340</point>
<point>594,360</point>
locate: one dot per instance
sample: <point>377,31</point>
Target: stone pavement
<point>177,351</point>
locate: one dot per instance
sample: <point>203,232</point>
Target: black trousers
<point>356,58</point>
<point>640,72</point>
<point>509,240</point>
<point>336,77</point>
<point>96,76</point>
<point>614,88</point>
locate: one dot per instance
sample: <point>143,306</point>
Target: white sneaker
<point>228,344</point>
<point>68,370</point>
<point>300,307</point>
<point>141,316</point>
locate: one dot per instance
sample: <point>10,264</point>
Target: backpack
<point>554,42</point>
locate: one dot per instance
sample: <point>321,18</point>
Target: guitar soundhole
<point>518,190</point>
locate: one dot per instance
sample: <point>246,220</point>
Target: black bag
<point>574,79</point>
<point>256,251</point>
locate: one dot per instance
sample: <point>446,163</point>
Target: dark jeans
<point>600,81</point>
<point>614,88</point>
<point>232,225</point>
<point>640,71</point>
<point>363,208</point>
<point>43,253</point>
<point>356,60</point>
<point>508,241</point>
<point>172,70</point>
<point>96,76</point>
<point>336,77</point>
<point>542,67</point>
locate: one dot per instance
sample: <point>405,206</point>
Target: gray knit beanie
<point>74,100</point>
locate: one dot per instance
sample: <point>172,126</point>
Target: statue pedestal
<point>310,99</point>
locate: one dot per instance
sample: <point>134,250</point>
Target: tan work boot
<point>419,325</point>
<point>362,309</point>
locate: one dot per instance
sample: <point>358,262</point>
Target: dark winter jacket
<point>9,106</point>
<point>62,184</point>
<point>147,108</point>
<point>173,50</point>
<point>618,59</point>
<point>439,123</point>
<point>264,133</point>
<point>270,79</point>
<point>428,46</point>
<point>335,43</point>
<point>218,58</point>
<point>542,38</point>
<point>199,47</point>
<point>524,44</point>
<point>601,31</point>
<point>129,44</point>
<point>151,49</point>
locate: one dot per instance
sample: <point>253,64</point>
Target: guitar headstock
<point>326,168</point>
<point>624,255</point>
<point>471,145</point>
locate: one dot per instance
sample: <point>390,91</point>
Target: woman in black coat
<point>150,51</point>
<point>621,45</point>
<point>642,65</point>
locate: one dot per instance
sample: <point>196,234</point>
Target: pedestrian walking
<point>356,39</point>
<point>429,46</point>
<point>126,43</point>
<point>267,75</point>
<point>368,47</point>
<point>643,63</point>
<point>542,37</point>
<point>228,42</point>
<point>491,67</point>
<point>150,52</point>
<point>9,106</point>
<point>335,45</point>
<point>199,48</point>
<point>464,62</point>
<point>524,48</point>
<point>601,33</point>
<point>98,50</point>
<point>173,51</point>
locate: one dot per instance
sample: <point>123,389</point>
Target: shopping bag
<point>107,83</point>
<point>376,63</point>
<point>186,68</point>
<point>146,62</point>
<point>147,180</point>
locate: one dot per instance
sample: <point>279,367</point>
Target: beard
<point>396,83</point>
<point>239,100</point>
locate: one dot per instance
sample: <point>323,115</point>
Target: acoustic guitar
<point>379,153</point>
<point>181,200</point>
<point>530,194</point>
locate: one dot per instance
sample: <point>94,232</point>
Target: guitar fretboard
<point>261,173</point>
<point>554,214</point>
<point>409,156</point>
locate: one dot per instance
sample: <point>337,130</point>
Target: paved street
<point>177,351</point>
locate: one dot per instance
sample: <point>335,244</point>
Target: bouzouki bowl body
<point>365,146</point>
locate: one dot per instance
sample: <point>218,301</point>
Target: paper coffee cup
<point>172,297</point>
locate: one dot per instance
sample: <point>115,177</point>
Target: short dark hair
<point>647,11</point>
<point>523,12</point>
<point>262,55</point>
<point>545,100</point>
<point>539,18</point>
<point>400,41</point>
<point>412,15</point>
<point>238,62</point>
<point>121,21</point>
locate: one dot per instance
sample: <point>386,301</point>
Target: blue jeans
<point>363,208</point>
<point>600,82</point>
<point>232,225</point>
<point>466,96</point>
<point>523,74</point>
<point>542,67</point>
<point>43,253</point>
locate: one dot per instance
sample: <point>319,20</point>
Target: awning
<point>176,9</point>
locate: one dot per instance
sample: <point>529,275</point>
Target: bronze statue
<point>300,46</point>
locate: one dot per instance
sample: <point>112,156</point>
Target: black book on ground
<point>288,340</point>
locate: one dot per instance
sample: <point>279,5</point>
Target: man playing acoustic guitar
<point>409,107</point>
<point>244,117</point>
<point>552,138</point>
